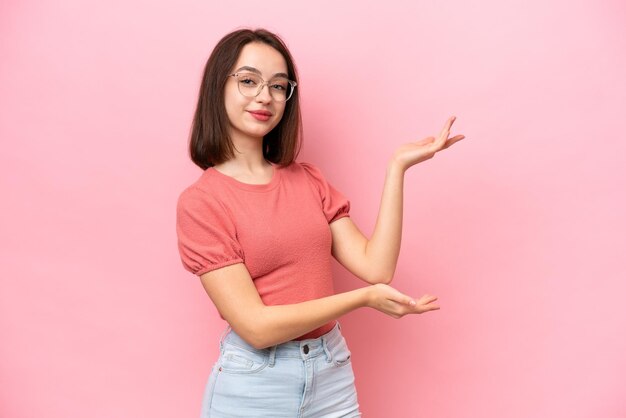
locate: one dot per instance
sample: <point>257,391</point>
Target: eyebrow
<point>254,70</point>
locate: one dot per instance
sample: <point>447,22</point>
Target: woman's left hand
<point>412,153</point>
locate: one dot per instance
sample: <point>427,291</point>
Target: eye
<point>279,85</point>
<point>248,80</point>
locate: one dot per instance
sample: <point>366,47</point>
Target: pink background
<point>519,229</point>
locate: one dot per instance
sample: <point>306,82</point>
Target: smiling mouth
<point>260,115</point>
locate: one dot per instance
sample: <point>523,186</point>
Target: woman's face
<point>254,117</point>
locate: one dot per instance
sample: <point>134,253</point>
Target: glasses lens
<point>250,85</point>
<point>280,88</point>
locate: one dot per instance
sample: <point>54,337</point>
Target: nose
<point>264,95</point>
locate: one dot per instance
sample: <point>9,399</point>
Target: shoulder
<point>306,169</point>
<point>203,194</point>
<point>305,172</point>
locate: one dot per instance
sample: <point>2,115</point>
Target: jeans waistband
<point>300,349</point>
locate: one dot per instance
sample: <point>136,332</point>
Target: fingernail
<point>412,303</point>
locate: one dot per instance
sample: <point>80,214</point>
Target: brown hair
<point>210,143</point>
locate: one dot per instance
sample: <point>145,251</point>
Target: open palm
<point>412,153</point>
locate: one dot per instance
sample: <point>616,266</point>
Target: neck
<point>248,157</point>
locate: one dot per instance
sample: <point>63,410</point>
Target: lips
<point>262,115</point>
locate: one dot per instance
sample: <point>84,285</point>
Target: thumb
<point>402,298</point>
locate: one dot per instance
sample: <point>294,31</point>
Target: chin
<point>253,130</point>
<point>260,132</point>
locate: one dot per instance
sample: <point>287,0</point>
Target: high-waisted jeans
<point>298,379</point>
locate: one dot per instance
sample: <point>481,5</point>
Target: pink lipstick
<point>261,115</point>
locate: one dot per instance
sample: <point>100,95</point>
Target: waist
<point>317,332</point>
<point>294,348</point>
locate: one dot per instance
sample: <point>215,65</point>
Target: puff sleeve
<point>334,204</point>
<point>207,238</point>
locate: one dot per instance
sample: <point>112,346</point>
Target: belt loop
<point>228,328</point>
<point>272,356</point>
<point>329,357</point>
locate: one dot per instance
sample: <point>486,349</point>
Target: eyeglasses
<point>250,85</point>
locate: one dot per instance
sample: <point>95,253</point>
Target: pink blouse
<point>279,230</point>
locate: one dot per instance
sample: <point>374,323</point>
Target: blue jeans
<point>298,379</point>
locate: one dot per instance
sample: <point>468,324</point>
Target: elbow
<point>254,339</point>
<point>385,279</point>
<point>382,276</point>
<point>255,335</point>
<point>259,342</point>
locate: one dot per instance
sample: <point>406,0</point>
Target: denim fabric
<point>298,379</point>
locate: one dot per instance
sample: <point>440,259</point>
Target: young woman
<point>259,229</point>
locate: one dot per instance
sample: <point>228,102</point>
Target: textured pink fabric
<point>279,230</point>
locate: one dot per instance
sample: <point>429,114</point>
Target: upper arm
<point>348,248</point>
<point>207,236</point>
<point>233,292</point>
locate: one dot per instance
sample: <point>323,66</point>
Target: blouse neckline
<point>248,186</point>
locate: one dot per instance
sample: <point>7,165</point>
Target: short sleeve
<point>334,204</point>
<point>207,238</point>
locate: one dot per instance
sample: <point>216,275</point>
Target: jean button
<point>305,349</point>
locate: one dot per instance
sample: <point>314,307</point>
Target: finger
<point>422,309</point>
<point>452,141</point>
<point>443,136</point>
<point>403,299</point>
<point>433,308</point>
<point>426,299</point>
<point>447,126</point>
<point>427,308</point>
<point>407,300</point>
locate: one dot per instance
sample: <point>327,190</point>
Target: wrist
<point>395,165</point>
<point>365,296</point>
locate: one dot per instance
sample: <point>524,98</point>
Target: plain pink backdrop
<point>519,229</point>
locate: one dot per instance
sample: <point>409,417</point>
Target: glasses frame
<point>263,84</point>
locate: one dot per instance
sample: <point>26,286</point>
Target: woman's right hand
<point>389,301</point>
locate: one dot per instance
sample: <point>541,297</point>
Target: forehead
<point>262,57</point>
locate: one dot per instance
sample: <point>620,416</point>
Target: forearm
<point>232,291</point>
<point>277,324</point>
<point>383,248</point>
